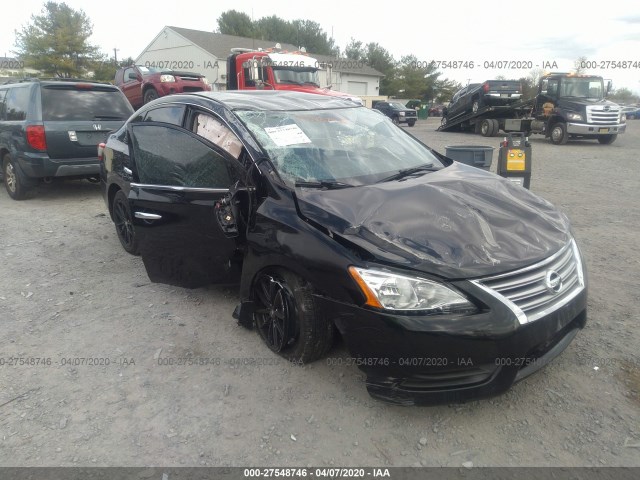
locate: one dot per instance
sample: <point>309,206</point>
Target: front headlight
<point>402,114</point>
<point>205,81</point>
<point>399,292</point>
<point>623,118</point>
<point>167,78</point>
<point>574,116</point>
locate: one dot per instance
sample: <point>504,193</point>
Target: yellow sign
<point>515,160</point>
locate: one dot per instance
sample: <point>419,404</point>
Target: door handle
<point>148,216</point>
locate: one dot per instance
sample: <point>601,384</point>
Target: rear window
<point>70,103</point>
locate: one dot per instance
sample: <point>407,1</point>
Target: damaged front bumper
<point>418,360</point>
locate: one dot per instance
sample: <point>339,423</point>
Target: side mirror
<point>133,76</point>
<point>609,85</point>
<point>254,70</point>
<point>329,75</point>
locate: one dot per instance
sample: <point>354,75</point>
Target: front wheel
<point>412,123</point>
<point>607,139</point>
<point>395,120</point>
<point>287,318</point>
<point>558,134</point>
<point>150,95</point>
<point>475,107</point>
<point>124,223</point>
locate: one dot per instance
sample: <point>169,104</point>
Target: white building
<point>206,53</point>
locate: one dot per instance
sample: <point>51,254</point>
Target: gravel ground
<point>69,291</point>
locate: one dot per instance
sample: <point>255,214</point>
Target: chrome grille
<point>603,114</point>
<point>533,292</point>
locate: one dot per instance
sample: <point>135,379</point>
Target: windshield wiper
<point>324,184</point>
<point>312,83</point>
<point>405,172</point>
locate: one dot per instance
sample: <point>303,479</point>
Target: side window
<point>17,103</point>
<point>2,95</point>
<point>217,133</point>
<point>165,155</point>
<point>247,81</point>
<point>251,83</point>
<point>127,71</point>
<point>544,86</point>
<point>171,114</point>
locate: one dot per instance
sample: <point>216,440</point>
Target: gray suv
<point>51,128</point>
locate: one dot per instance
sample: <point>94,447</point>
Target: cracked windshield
<point>354,146</point>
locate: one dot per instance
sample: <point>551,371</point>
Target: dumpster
<point>475,155</point>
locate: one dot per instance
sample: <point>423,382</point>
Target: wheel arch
<point>552,121</point>
<point>148,86</point>
<point>3,152</point>
<point>111,193</point>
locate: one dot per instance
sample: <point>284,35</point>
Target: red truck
<point>276,69</point>
<point>142,84</point>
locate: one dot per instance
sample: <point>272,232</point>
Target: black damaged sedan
<point>446,282</point>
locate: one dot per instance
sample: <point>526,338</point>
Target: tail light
<point>485,87</point>
<point>36,137</point>
<point>101,152</point>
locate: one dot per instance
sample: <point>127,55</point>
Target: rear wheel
<point>124,223</point>
<point>558,134</point>
<point>288,319</point>
<point>487,127</point>
<point>496,127</point>
<point>13,180</point>
<point>607,139</point>
<point>150,95</point>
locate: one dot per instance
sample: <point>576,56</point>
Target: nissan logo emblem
<point>606,108</point>
<point>553,281</point>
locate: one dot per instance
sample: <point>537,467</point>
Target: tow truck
<point>567,106</point>
<point>277,69</point>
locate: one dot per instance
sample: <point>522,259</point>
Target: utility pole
<point>115,54</point>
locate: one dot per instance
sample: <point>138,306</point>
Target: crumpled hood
<point>459,222</point>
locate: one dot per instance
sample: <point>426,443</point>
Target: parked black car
<point>397,112</point>
<point>50,128</point>
<point>476,96</point>
<point>447,282</point>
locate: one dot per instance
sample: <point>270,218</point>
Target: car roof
<point>280,100</point>
<point>56,81</point>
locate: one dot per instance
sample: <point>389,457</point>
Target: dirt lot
<point>69,291</point>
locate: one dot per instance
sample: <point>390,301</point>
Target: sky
<point>544,34</point>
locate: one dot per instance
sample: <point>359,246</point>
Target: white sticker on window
<point>287,135</point>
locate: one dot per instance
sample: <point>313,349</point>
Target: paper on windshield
<point>286,135</point>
